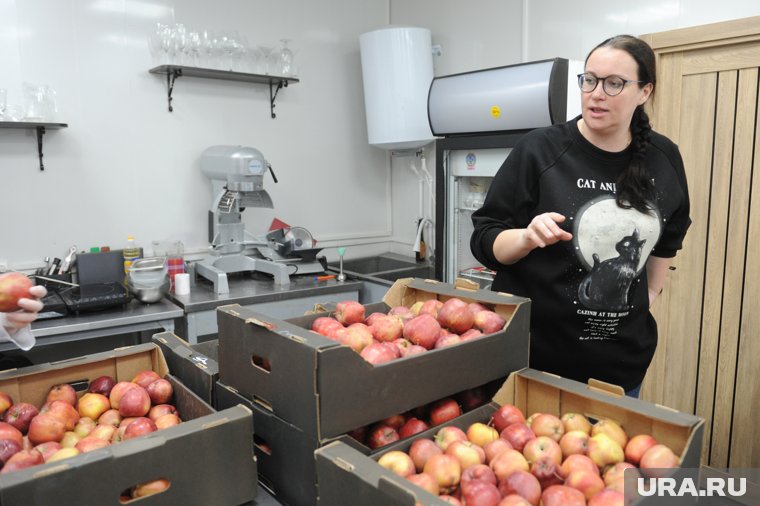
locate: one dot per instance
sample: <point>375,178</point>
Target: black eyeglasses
<point>612,85</point>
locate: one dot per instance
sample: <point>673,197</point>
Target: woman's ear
<point>646,91</point>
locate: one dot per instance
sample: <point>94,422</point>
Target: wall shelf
<point>40,127</point>
<point>172,72</point>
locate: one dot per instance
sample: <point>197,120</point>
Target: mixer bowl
<point>149,293</point>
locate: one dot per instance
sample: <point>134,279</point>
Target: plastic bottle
<point>131,252</point>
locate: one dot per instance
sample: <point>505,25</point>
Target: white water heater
<point>397,69</point>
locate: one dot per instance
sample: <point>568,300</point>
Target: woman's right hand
<point>544,231</point>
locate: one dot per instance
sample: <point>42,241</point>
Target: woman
<point>14,326</point>
<point>584,218</point>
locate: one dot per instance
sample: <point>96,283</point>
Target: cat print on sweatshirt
<point>607,285</point>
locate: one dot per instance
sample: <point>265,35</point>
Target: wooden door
<point>708,357</point>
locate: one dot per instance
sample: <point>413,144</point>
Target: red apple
<point>514,500</point>
<point>454,316</point>
<point>113,417</point>
<point>8,448</point>
<point>22,460</point>
<point>91,443</point>
<point>402,312</point>
<point>167,420</point>
<point>5,402</point>
<point>481,493</point>
<point>546,424</point>
<point>480,472</point>
<point>493,448</point>
<point>446,471</point>
<point>348,312</point>
<point>425,481</point>
<point>46,427</point>
<point>607,497</point>
<point>467,453</point>
<point>8,431</point>
<point>411,427</point>
<point>386,328</point>
<point>62,410</point>
<point>102,385</point>
<point>489,322</point>
<point>380,353</point>
<point>546,471</point>
<point>612,429</point>
<point>20,415</point>
<point>470,334</point>
<point>160,391</point>
<point>616,473</point>
<point>576,421</point>
<point>636,447</point>
<point>472,398</point>
<point>63,392</point>
<point>656,459</point>
<point>139,427</point>
<point>448,435</point>
<point>398,462</point>
<point>13,286</point>
<point>561,495</point>
<point>92,405</point>
<point>422,330</point>
<point>395,421</point>
<point>517,434</point>
<point>575,441</point>
<point>48,449</point>
<point>431,307</point>
<point>447,340</point>
<point>444,410</point>
<point>145,377</point>
<point>118,391</point>
<point>134,402</point>
<point>160,410</point>
<point>542,447</point>
<point>507,462</point>
<point>326,326</point>
<point>150,488</point>
<point>523,484</point>
<point>381,435</point>
<point>505,416</point>
<point>476,307</point>
<point>421,450</point>
<point>356,336</point>
<point>576,462</point>
<point>412,350</point>
<point>588,482</point>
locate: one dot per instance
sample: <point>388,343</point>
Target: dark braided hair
<point>634,186</point>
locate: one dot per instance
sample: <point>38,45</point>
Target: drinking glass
<point>286,59</point>
<point>3,102</point>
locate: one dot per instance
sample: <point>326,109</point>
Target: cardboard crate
<point>216,446</point>
<point>195,365</point>
<point>343,472</point>
<point>326,389</point>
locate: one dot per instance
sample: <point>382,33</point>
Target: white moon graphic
<point>601,224</point>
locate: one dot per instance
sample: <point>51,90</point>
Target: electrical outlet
<point>3,265</point>
<point>437,50</point>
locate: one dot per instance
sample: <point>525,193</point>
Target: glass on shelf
<point>286,63</point>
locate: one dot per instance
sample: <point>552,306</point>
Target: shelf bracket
<point>273,94</point>
<point>40,133</point>
<point>171,76</point>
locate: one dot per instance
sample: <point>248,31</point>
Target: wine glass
<point>3,102</point>
<point>286,59</point>
<point>266,57</point>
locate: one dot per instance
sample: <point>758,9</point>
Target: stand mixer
<point>237,176</point>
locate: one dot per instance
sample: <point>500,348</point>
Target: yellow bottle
<point>131,252</point>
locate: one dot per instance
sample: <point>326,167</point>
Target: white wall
<point>127,166</point>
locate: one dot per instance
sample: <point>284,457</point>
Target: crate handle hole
<point>260,443</point>
<point>144,489</point>
<point>262,363</point>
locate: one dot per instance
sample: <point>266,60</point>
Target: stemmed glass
<point>286,59</point>
<point>266,56</point>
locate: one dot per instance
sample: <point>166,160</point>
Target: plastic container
<point>131,252</point>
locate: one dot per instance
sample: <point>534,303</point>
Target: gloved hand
<point>14,326</point>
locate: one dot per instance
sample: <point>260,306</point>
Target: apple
<point>476,307</point>
<point>481,434</point>
<point>505,416</point>
<point>518,434</point>
<point>414,349</point>
<point>514,500</point>
<point>113,417</point>
<point>5,402</point>
<point>118,391</point>
<point>448,435</point>
<point>494,448</point>
<point>8,431</point>
<point>91,443</point>
<point>446,470</point>
<point>84,426</point>
<point>480,472</point>
<point>454,316</point>
<point>160,391</point>
<point>546,471</point>
<point>13,286</point>
<point>402,312</point>
<point>70,439</point>
<point>481,493</point>
<point>63,392</point>
<point>101,385</point>
<point>431,307</point>
<point>160,410</point>
<point>48,449</point>
<point>529,420</point>
<point>62,410</point>
<point>145,377</point>
<point>395,421</point>
<point>656,459</point>
<point>636,447</point>
<point>134,402</point>
<point>380,353</point>
<point>63,453</point>
<point>92,405</point>
<point>386,328</point>
<point>421,450</point>
<point>546,424</point>
<point>444,410</point>
<point>604,451</point>
<point>22,460</point>
<point>150,488</point>
<point>576,421</point>
<point>612,429</point>
<point>489,322</point>
<point>447,340</point>
<point>104,432</point>
<point>523,484</point>
<point>326,325</point>
<point>8,448</point>
<point>507,462</point>
<point>588,482</point>
<point>470,334</point>
<point>467,453</point>
<point>355,336</point>
<point>348,312</point>
<point>575,462</point>
<point>574,442</point>
<point>542,447</point>
<point>425,481</point>
<point>20,415</point>
<point>422,330</point>
<point>607,497</point>
<point>167,420</point>
<point>398,462</point>
<point>139,427</point>
<point>411,427</point>
<point>562,495</point>
<point>472,398</point>
<point>616,472</point>
<point>381,435</point>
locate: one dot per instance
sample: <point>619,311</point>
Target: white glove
<point>14,327</point>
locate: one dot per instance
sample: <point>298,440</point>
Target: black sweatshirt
<point>589,298</point>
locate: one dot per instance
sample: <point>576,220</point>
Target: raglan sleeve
<point>671,239</point>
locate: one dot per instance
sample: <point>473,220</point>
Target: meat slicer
<point>237,176</point>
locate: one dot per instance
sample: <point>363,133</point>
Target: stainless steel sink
<point>389,267</point>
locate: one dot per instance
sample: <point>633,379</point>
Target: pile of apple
<point>545,459</point>
<point>406,331</point>
<point>67,425</point>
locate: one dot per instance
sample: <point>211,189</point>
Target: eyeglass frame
<point>603,80</point>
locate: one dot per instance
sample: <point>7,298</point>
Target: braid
<point>634,186</point>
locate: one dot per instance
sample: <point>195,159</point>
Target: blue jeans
<point>634,392</point>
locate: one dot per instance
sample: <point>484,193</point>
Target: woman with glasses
<point>584,218</point>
